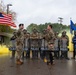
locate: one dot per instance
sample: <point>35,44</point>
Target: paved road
<point>30,67</point>
<point>36,67</point>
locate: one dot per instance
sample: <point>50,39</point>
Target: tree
<point>56,27</point>
<point>4,28</point>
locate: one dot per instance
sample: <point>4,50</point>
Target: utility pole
<point>8,8</point>
<point>8,12</point>
<point>60,20</point>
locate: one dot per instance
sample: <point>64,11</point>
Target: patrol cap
<point>34,30</point>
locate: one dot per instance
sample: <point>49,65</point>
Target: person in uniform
<point>44,44</point>
<point>74,45</point>
<point>56,46</point>
<point>13,41</point>
<point>50,39</point>
<point>34,37</point>
<point>19,44</point>
<point>64,42</point>
<point>26,43</point>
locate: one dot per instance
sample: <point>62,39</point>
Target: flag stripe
<point>6,19</point>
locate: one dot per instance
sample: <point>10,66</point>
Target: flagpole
<point>71,33</point>
<point>71,42</point>
<point>8,8</point>
<point>8,13</point>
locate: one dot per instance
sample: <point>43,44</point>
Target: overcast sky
<point>41,11</point>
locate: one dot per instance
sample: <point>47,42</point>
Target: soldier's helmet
<point>24,31</point>
<point>34,30</point>
<point>64,33</point>
<point>44,31</point>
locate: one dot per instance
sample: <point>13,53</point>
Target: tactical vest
<point>63,44</point>
<point>44,44</point>
<point>56,44</point>
<point>34,41</point>
<point>26,41</point>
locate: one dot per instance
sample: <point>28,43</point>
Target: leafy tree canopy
<point>56,27</point>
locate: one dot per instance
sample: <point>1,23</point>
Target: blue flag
<point>72,26</point>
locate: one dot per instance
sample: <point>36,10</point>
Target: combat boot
<point>18,62</point>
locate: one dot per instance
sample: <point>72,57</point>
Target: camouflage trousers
<point>19,51</point>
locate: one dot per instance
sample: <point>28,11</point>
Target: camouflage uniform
<point>50,37</point>
<point>34,43</point>
<point>26,43</point>
<point>56,45</point>
<point>19,45</point>
<point>44,44</point>
<point>64,42</point>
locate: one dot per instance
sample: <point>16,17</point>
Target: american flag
<point>6,19</point>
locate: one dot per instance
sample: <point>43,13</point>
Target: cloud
<point>41,11</point>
